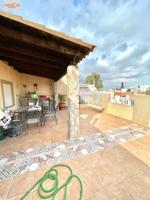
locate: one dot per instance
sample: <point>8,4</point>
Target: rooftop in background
<point>35,49</point>
<point>86,87</point>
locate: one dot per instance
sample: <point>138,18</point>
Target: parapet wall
<point>139,112</point>
<point>120,110</point>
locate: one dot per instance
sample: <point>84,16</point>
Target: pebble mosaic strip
<point>31,159</point>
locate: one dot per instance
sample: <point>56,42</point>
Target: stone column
<point>73,100</point>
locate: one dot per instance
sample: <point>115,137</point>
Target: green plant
<point>29,93</point>
<point>32,94</point>
<point>61,98</point>
<point>95,79</point>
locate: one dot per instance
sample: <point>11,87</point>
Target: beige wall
<point>44,84</point>
<point>19,79</point>
<point>62,85</point>
<point>141,112</point>
<point>9,74</point>
<point>119,110</point>
<point>105,101</point>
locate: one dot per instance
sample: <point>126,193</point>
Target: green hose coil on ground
<point>52,174</point>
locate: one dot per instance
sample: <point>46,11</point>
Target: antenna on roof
<point>12,4</point>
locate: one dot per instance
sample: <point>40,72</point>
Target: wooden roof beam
<point>43,73</point>
<point>7,46</point>
<point>29,67</point>
<point>43,42</point>
<point>38,74</point>
<point>27,59</point>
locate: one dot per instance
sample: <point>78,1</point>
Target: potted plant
<point>32,95</point>
<point>62,99</point>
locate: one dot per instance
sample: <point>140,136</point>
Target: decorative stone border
<point>17,163</point>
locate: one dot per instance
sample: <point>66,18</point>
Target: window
<point>7,93</point>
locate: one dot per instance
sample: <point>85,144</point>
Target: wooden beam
<point>31,67</point>
<point>43,73</point>
<point>37,74</point>
<point>35,70</point>
<point>62,74</point>
<point>41,42</point>
<point>30,60</point>
<point>8,46</point>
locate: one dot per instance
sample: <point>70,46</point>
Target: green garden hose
<point>52,174</point>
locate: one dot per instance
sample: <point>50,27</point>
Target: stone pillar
<point>73,100</point>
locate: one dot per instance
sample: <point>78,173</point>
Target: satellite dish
<point>11,4</point>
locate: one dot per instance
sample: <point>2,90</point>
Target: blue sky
<point>119,28</point>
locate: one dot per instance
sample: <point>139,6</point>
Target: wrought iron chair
<point>50,112</point>
<point>34,117</point>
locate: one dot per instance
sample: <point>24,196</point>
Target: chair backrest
<point>33,117</point>
<point>36,114</point>
<point>56,107</point>
<point>52,105</point>
<point>22,102</point>
<point>23,116</point>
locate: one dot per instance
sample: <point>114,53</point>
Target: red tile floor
<point>118,173</point>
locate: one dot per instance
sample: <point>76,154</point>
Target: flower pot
<point>62,106</point>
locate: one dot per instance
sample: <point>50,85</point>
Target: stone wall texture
<point>73,100</point>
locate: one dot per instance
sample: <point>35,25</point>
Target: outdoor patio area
<point>91,122</point>
<point>50,120</point>
<point>114,170</point>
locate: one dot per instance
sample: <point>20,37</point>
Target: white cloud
<point>119,80</point>
<point>119,29</point>
<point>126,54</point>
<point>102,62</point>
<point>145,58</point>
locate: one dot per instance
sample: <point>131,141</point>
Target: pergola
<point>34,49</point>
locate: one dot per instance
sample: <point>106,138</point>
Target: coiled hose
<point>52,174</point>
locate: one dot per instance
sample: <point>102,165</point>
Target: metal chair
<point>22,116</point>
<point>50,112</point>
<point>34,117</point>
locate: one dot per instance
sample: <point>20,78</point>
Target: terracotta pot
<point>62,106</point>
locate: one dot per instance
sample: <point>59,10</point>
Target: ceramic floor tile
<point>4,188</point>
<point>111,193</point>
<point>52,133</point>
<point>138,186</point>
<point>20,185</point>
<point>91,183</point>
<point>118,173</point>
<point>29,197</point>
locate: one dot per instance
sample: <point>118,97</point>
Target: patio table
<point>28,109</point>
<point>22,113</point>
<point>24,110</point>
